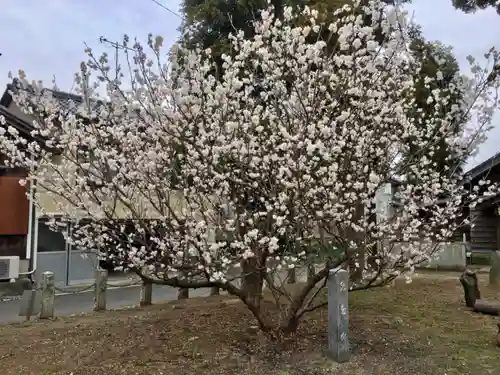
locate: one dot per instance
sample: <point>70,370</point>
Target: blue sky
<point>45,38</point>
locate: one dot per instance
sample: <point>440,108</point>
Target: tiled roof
<point>67,101</point>
<point>24,128</point>
<point>485,166</point>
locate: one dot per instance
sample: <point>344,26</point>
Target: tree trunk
<point>183,293</point>
<point>469,282</point>
<point>252,282</point>
<point>291,322</point>
<point>289,328</point>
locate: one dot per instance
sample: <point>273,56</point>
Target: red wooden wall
<point>13,207</point>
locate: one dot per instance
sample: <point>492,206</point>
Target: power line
<point>115,45</point>
<point>166,8</point>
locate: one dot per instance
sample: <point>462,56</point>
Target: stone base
<point>17,288</point>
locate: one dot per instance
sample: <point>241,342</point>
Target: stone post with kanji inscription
<point>338,315</point>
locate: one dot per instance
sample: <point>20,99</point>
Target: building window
<point>49,240</point>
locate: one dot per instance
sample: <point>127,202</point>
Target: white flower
<point>296,140</point>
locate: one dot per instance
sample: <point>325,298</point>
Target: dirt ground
<point>420,328</point>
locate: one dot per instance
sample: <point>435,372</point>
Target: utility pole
<point>117,46</point>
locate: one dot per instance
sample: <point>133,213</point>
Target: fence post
<point>146,293</point>
<point>311,271</point>
<point>101,281</point>
<point>183,293</point>
<point>338,315</point>
<point>48,295</point>
<point>292,276</point>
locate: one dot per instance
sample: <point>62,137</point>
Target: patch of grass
<point>420,328</point>
<point>432,314</point>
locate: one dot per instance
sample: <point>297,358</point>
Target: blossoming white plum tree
<point>196,180</point>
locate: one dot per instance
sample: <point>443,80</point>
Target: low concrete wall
<point>450,256</point>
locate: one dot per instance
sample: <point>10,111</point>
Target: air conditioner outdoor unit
<point>9,268</point>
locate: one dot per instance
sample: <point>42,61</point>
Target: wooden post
<point>31,303</point>
<point>48,296</point>
<point>146,294</point>
<point>183,293</point>
<point>101,285</point>
<point>311,271</point>
<point>338,315</point>
<point>292,276</point>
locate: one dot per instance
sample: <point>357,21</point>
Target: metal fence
<point>68,267</point>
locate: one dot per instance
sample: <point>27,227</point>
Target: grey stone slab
<point>338,315</point>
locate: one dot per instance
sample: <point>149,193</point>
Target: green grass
<point>406,329</point>
<point>431,314</point>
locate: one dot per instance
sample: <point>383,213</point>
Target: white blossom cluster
<point>186,170</point>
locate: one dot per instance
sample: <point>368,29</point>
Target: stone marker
<point>338,315</point>
<point>146,294</point>
<point>101,286</point>
<point>48,296</point>
<point>495,269</point>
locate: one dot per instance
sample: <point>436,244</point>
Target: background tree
<point>470,6</point>
<point>209,23</point>
<point>439,71</point>
<point>310,141</point>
